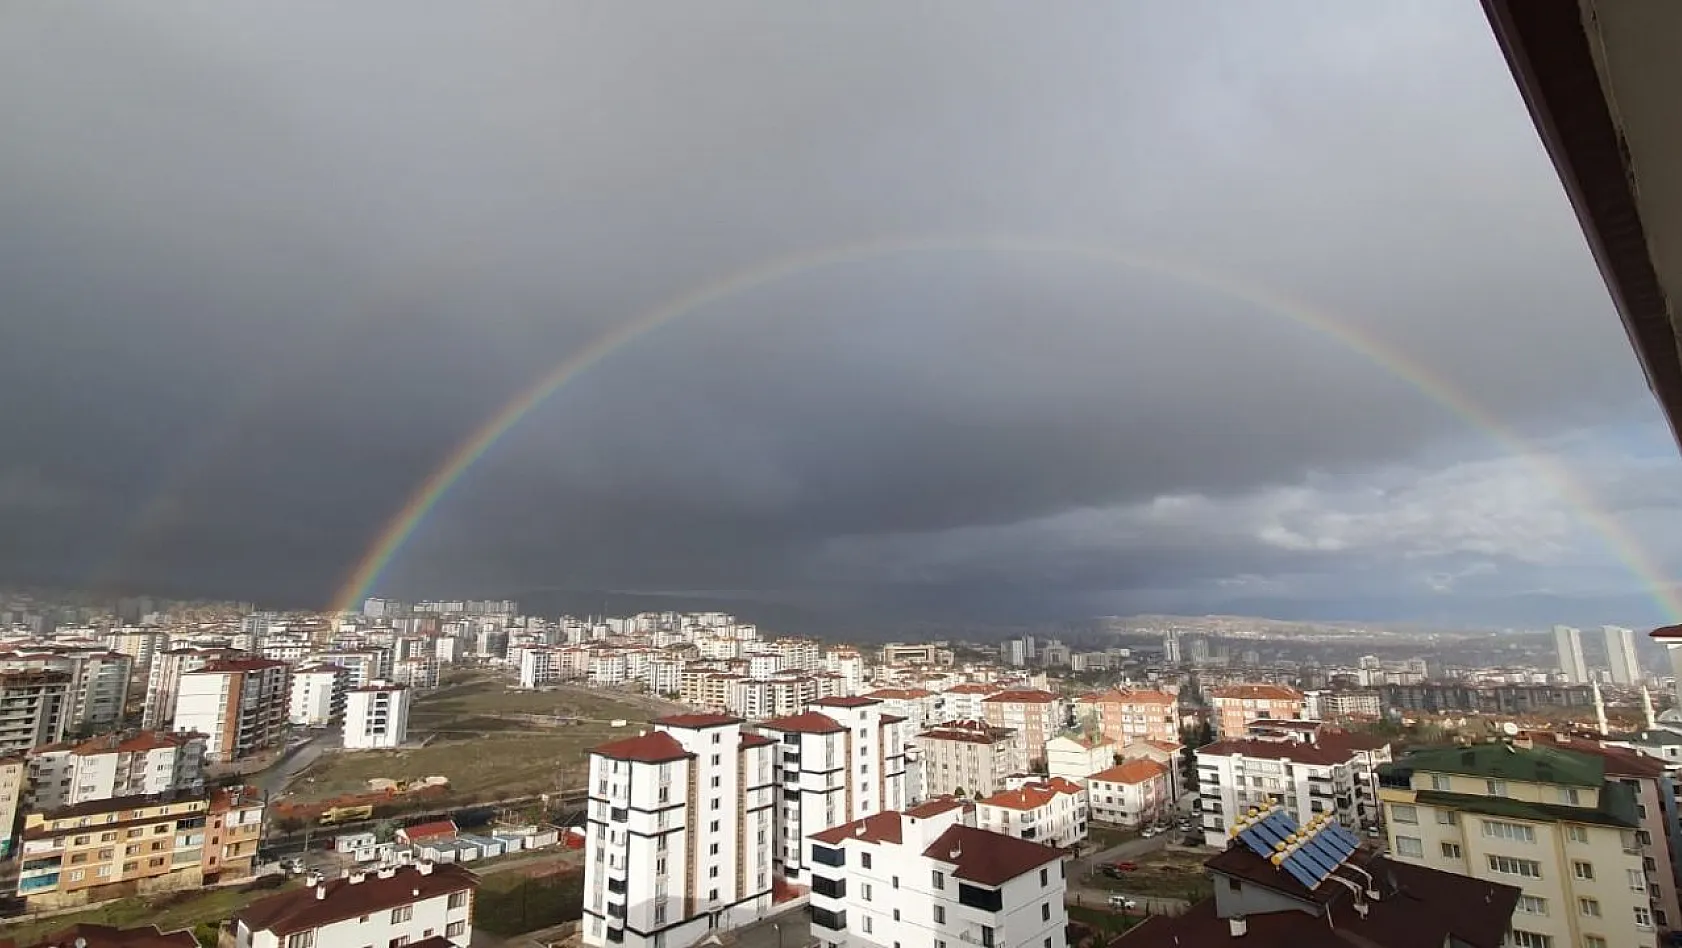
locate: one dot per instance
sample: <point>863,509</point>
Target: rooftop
<point>698,721</point>
<point>1137,770</point>
<point>1031,796</point>
<point>655,747</point>
<point>810,722</point>
<point>338,899</point>
<point>88,935</point>
<point>1503,761</point>
<point>987,858</point>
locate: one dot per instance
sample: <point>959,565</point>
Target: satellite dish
<point>1510,729</point>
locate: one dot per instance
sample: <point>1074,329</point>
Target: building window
<point>864,860</point>
<point>1045,878</point>
<point>1445,817</point>
<point>1569,796</point>
<point>1593,941</point>
<point>301,939</point>
<point>1524,939</point>
<point>1045,911</point>
<point>1589,907</point>
<point>1517,832</point>
<point>402,914</point>
<point>939,879</point>
<point>1507,865</point>
<point>455,929</point>
<point>1451,850</point>
<point>1637,880</point>
<point>457,900</point>
<point>1410,846</point>
<point>1441,782</point>
<point>1582,870</point>
<point>1531,905</point>
<point>867,926</point>
<point>940,914</point>
<point>1577,834</point>
<point>864,891</point>
<point>1643,917</point>
<point>1404,814</point>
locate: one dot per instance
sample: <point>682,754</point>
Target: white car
<point>1123,903</point>
<point>1148,832</point>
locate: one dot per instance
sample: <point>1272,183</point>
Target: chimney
<point>320,892</point>
<point>356,878</point>
<point>1238,925</point>
<point>425,868</point>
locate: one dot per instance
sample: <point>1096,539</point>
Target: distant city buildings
<point>1568,644</point>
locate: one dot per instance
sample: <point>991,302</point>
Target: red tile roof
<point>434,830</point>
<point>1137,770</point>
<point>973,688</point>
<point>756,740</point>
<point>1031,796</point>
<point>972,732</point>
<point>89,935</point>
<point>133,743</point>
<point>655,747</point>
<point>698,721</point>
<point>1021,696</point>
<point>1279,750</point>
<point>238,665</point>
<point>899,693</point>
<point>840,701</point>
<point>300,910</point>
<point>990,859</point>
<point>810,722</point>
<point>1257,692</point>
<point>877,828</point>
<point>935,806</point>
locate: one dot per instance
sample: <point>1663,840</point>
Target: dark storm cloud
<point>262,268</point>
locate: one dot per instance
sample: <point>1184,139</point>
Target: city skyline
<point>749,315</point>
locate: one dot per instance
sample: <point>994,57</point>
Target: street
<point>1081,870</point>
<point>792,929</point>
<point>273,781</point>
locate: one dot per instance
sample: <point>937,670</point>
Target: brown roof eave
<point>1547,49</point>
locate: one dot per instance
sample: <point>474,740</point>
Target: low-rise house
<point>1076,758</point>
<point>1132,793</point>
<point>395,906</point>
<point>88,935</point>
<point>433,832</point>
<point>1053,813</point>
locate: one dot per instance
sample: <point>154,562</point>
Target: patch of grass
<point>170,911</point>
<point>511,903</point>
<point>485,766</point>
<point>1106,836</point>
<point>495,697</point>
<point>1104,921</point>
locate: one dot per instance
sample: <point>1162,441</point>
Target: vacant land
<point>1105,922</point>
<point>1168,875</point>
<point>491,742</point>
<point>170,911</point>
<point>515,902</point>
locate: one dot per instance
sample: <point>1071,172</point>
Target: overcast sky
<point>262,266</point>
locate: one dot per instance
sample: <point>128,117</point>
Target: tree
<point>1193,737</point>
<point>958,792</point>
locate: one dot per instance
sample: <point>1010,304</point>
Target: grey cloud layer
<point>264,267</point>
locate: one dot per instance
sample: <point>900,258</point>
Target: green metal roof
<point>1499,761</point>
<point>1617,807</point>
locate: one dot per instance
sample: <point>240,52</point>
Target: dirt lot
<point>1163,874</point>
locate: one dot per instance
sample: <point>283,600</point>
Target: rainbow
<point>391,538</point>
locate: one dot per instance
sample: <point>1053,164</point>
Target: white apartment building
<point>138,644</point>
<point>361,665</point>
<point>32,709</point>
<point>929,878</point>
<point>968,758</point>
<point>1132,793</point>
<point>1341,705</point>
<point>963,701</point>
<point>920,707</point>
<point>1076,758</point>
<point>98,686</point>
<point>377,716</point>
<point>419,672</point>
<point>1306,779</point>
<point>239,704</point>
<point>849,665</point>
<point>148,763</point>
<point>680,833</point>
<point>394,906</point>
<point>163,681</point>
<point>317,696</point>
<point>448,649</point>
<point>842,760</point>
<point>1052,813</point>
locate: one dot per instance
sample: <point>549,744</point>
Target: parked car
<point>1123,903</point>
<point>1148,832</point>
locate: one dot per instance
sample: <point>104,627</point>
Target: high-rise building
<point>1545,820</point>
<point>32,709</point>
<point>239,704</point>
<point>1568,645</point>
<point>680,832</point>
<point>163,681</point>
<point>1171,647</point>
<point>150,763</point>
<point>317,696</point>
<point>841,760</point>
<point>1620,655</point>
<point>376,716</point>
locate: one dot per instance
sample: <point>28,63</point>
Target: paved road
<point>792,929</point>
<point>275,780</point>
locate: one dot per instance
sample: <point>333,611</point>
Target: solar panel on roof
<point>1345,837</point>
<point>1301,875</point>
<point>1312,859</point>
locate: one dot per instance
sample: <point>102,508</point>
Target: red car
<point>1124,866</point>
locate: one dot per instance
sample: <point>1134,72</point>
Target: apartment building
<point>423,905</point>
<point>1135,792</point>
<point>97,690</point>
<point>90,935</point>
<point>32,709</point>
<point>233,833</point>
<point>239,704</point>
<point>163,681</point>
<point>1342,705</point>
<point>681,832</point>
<point>1076,758</point>
<point>1051,813</point>
<point>376,716</point>
<point>928,877</point>
<point>317,696</point>
<point>918,653</point>
<point>1127,717</point>
<point>1236,706</point>
<point>1038,716</point>
<point>1234,776</point>
<point>1169,754</point>
<point>969,758</point>
<point>918,706</point>
<point>145,763</point>
<point>105,849</point>
<point>1543,819</point>
<point>842,760</point>
<point>14,782</point>
<point>1322,889</point>
<point>1654,789</point>
<point>963,700</point>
